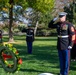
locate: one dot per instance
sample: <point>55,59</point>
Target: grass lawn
<point>44,57</point>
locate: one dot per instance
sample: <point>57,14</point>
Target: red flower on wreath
<point>5,56</point>
<point>20,61</point>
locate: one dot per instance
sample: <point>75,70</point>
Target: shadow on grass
<point>30,70</point>
<point>40,53</point>
<point>43,53</point>
<point>73,65</point>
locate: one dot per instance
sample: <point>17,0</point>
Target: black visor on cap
<point>61,16</point>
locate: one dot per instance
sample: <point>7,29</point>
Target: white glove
<point>55,18</point>
<point>69,47</point>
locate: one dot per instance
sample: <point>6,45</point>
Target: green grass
<point>44,57</point>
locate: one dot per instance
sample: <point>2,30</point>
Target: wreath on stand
<point>10,58</point>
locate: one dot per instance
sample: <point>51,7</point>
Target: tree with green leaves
<point>40,6</point>
<point>71,10</point>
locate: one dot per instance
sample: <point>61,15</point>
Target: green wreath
<point>10,59</point>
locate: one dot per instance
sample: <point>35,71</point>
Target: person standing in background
<point>29,37</point>
<point>73,51</point>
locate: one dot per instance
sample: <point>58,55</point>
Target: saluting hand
<point>55,18</point>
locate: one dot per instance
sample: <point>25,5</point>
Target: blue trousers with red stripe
<point>64,58</point>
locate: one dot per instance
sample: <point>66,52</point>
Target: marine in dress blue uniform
<point>66,36</point>
<point>29,38</point>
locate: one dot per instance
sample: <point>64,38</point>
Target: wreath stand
<point>9,56</point>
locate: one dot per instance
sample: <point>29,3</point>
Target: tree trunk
<point>36,28</point>
<point>11,21</point>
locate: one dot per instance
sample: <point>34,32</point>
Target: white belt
<point>63,36</point>
<point>29,35</point>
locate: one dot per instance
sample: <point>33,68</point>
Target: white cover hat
<point>62,13</point>
<point>46,74</point>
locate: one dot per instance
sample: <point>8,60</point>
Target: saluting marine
<point>66,37</point>
<point>29,38</point>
